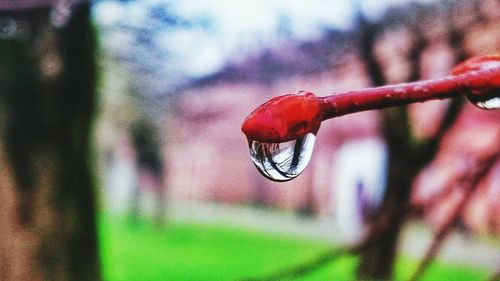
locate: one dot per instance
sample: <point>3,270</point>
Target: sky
<point>237,25</point>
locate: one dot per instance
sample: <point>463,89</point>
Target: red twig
<point>401,94</point>
<point>292,116</point>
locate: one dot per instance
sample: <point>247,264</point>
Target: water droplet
<point>282,161</point>
<point>478,68</point>
<point>485,101</point>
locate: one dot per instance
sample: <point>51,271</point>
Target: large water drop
<point>487,101</point>
<point>282,161</point>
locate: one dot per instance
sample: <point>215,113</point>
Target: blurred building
<point>207,153</point>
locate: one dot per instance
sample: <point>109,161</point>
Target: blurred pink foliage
<point>208,157</point>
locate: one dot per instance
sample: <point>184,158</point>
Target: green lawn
<point>211,252</point>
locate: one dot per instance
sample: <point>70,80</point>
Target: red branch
<point>406,93</point>
<point>290,116</point>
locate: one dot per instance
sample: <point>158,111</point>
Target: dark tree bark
<point>377,261</point>
<point>47,99</point>
<point>147,145</point>
<point>406,157</point>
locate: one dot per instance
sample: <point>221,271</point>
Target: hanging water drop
<point>482,98</point>
<point>485,101</point>
<point>282,161</point>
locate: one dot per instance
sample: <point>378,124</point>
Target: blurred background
<point>177,195</point>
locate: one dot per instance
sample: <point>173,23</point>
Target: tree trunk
<point>47,100</point>
<point>407,157</point>
<point>377,261</point>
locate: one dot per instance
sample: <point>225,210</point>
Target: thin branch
<point>305,268</point>
<point>469,182</point>
<point>374,233</point>
<point>495,276</point>
<point>321,260</point>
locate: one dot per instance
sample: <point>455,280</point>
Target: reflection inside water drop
<point>493,103</point>
<point>282,161</point>
<point>486,101</point>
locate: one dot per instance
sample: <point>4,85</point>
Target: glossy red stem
<point>473,82</point>
<point>291,116</point>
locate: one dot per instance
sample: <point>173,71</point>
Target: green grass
<point>211,252</point>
